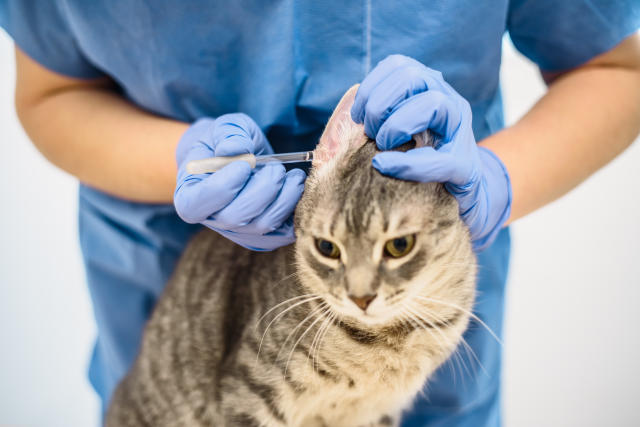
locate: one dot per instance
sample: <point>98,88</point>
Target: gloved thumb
<point>185,147</point>
<point>423,164</point>
<point>237,133</point>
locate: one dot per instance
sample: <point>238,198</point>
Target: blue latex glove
<point>401,98</point>
<point>253,208</point>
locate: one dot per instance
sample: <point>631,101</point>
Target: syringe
<point>213,164</point>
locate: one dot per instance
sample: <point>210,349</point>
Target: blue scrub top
<point>286,64</point>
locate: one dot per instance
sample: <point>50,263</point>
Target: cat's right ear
<point>341,133</point>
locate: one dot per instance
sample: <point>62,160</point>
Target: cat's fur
<point>223,348</point>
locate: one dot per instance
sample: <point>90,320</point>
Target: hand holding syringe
<point>251,207</point>
<point>214,164</point>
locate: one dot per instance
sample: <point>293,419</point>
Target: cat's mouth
<point>365,334</point>
<point>373,313</point>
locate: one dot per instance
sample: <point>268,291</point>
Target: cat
<point>342,328</point>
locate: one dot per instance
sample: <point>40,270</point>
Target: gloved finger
<point>196,150</point>
<point>282,207</point>
<point>259,192</point>
<point>282,236</point>
<point>379,72</point>
<point>199,196</point>
<point>424,165</point>
<point>234,145</point>
<point>427,110</point>
<point>202,126</point>
<point>398,86</point>
<point>394,64</point>
<point>262,145</point>
<point>385,97</point>
<point>238,127</point>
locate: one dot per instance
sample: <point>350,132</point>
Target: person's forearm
<point>96,135</point>
<point>587,118</point>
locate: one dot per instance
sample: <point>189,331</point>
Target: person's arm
<point>588,116</point>
<point>85,128</point>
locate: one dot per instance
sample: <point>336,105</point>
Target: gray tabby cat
<point>341,329</point>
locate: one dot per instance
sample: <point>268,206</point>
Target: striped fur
<point>237,343</point>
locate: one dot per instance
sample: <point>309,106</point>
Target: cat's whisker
<point>464,310</point>
<point>332,322</point>
<point>287,277</point>
<point>405,324</point>
<point>325,326</point>
<point>470,351</point>
<point>458,356</point>
<point>282,313</point>
<point>286,366</point>
<point>465,344</point>
<point>279,316</point>
<point>409,319</point>
<point>292,333</point>
<point>428,326</point>
<point>317,337</point>
<point>283,302</point>
<point>313,341</point>
<point>309,316</point>
<point>332,317</point>
<point>419,323</point>
<point>421,326</point>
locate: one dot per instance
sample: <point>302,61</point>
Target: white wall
<point>46,323</point>
<point>571,348</point>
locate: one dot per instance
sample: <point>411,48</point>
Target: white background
<point>571,345</point>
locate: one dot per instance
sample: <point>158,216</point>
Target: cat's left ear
<point>341,134</point>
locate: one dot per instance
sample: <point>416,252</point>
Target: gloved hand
<point>401,98</point>
<point>250,207</point>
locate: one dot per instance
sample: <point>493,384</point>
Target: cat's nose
<point>363,301</point>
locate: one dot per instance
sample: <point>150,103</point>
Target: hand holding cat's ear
<point>402,98</point>
<point>250,207</point>
<point>397,99</point>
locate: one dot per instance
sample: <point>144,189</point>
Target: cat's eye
<point>327,248</point>
<point>400,246</point>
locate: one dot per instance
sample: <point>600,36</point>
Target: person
<point>111,91</point>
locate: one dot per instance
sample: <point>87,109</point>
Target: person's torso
<point>285,63</point>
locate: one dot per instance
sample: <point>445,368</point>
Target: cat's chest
<point>350,380</point>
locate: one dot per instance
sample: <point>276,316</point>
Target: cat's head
<point>375,248</point>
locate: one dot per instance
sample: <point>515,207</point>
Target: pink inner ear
<point>341,133</point>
